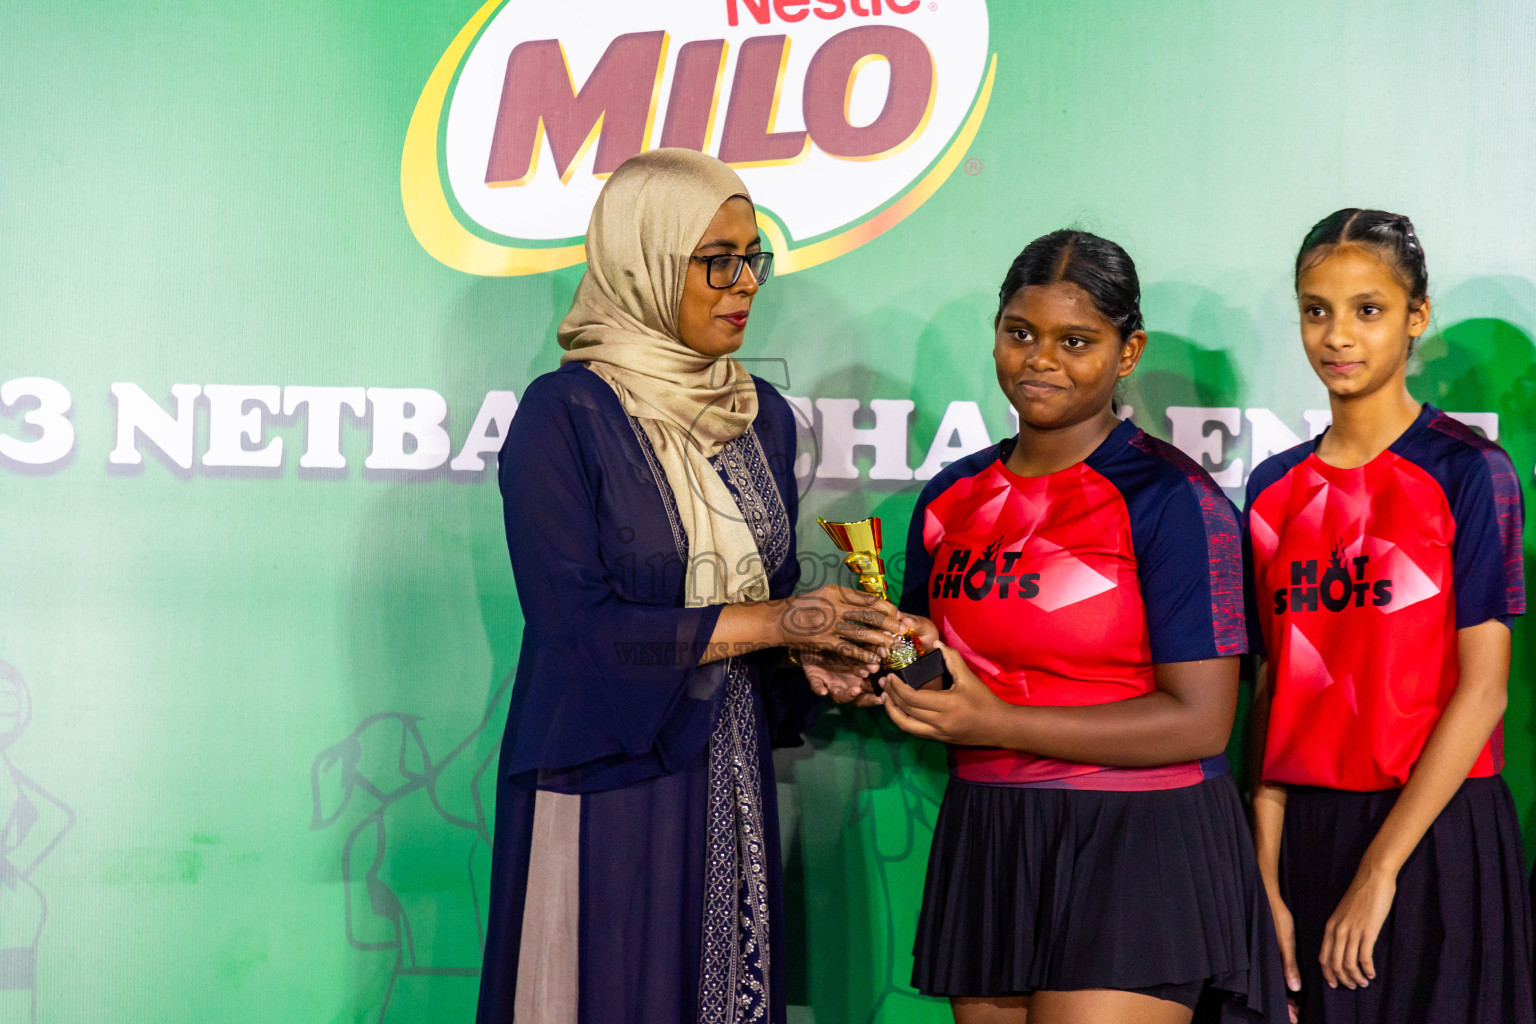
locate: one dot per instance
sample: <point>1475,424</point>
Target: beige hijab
<point>623,324</point>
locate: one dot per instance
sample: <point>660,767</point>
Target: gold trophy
<point>907,659</point>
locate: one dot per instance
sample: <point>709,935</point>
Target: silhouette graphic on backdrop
<point>32,821</point>
<point>410,885</point>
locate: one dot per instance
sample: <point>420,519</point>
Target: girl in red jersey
<point>1090,862</point>
<point>1385,567</point>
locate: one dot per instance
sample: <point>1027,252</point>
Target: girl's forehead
<point>1056,299</point>
<point>1350,264</point>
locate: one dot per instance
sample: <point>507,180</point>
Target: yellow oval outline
<point>450,243</point>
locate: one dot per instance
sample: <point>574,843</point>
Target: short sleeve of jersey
<point>1190,566</point>
<point>1263,476</point>
<point>1255,632</point>
<point>1250,590</point>
<point>919,562</point>
<point>1486,554</point>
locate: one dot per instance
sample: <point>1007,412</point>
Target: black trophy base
<point>921,672</point>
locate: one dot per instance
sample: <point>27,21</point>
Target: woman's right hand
<point>1285,931</point>
<point>847,622</point>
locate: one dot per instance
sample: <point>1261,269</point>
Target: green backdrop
<point>247,714</point>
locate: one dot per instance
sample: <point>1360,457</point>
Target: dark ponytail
<point>1389,235</point>
<point>1096,265</point>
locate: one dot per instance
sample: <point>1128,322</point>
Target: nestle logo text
<point>763,11</point>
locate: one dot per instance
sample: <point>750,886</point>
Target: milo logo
<point>842,116</point>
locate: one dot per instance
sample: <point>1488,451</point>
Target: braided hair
<point>1096,265</point>
<point>1389,235</point>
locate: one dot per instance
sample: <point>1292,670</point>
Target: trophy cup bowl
<point>860,543</point>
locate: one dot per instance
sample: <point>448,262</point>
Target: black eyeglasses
<point>724,270</point>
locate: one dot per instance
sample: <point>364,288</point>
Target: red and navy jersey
<point>1066,589</point>
<point>1359,579</point>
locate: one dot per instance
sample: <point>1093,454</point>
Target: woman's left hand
<point>843,679</point>
<point>966,714</point>
<point>1349,940</point>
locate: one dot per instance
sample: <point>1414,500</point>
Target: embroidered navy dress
<point>635,871</point>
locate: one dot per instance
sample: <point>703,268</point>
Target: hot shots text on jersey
<point>1343,584</point>
<point>980,577</point>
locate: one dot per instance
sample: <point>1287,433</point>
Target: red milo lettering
<point>695,92</point>
<point>830,77</point>
<point>538,99</point>
<point>614,109</point>
<point>748,137</point>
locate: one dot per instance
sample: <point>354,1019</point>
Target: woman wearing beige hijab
<point>650,503</point>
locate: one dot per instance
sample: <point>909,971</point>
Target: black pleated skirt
<point>1456,947</point>
<point>1062,889</point>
